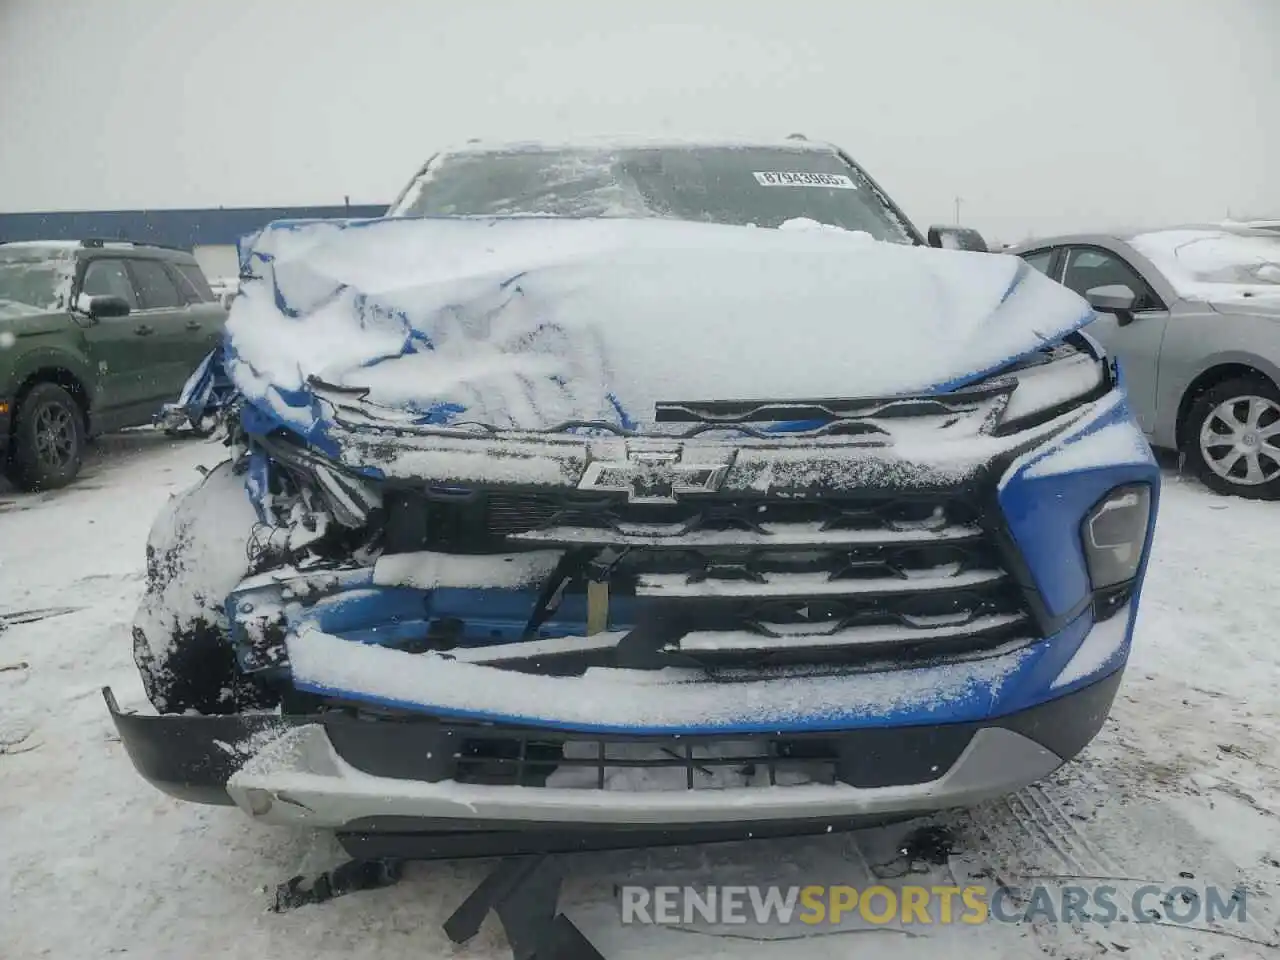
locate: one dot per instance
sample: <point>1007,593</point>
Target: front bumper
<point>377,785</point>
<point>815,654</point>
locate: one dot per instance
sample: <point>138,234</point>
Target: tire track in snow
<point>1075,829</point>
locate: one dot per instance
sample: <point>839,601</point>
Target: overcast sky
<point>1040,115</point>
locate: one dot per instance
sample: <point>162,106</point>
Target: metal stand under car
<point>523,891</point>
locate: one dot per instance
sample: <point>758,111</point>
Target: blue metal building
<point>210,234</point>
<point>188,229</point>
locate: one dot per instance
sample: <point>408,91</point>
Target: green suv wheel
<point>48,439</point>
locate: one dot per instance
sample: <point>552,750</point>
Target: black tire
<point>48,439</point>
<point>1205,408</point>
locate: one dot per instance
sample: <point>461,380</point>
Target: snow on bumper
<point>668,701</point>
<point>680,703</point>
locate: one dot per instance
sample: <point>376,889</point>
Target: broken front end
<point>775,618</point>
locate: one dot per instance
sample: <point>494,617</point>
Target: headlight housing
<point>1114,536</point>
<point>1053,381</point>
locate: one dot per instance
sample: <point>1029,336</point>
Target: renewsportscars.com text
<point>974,904</point>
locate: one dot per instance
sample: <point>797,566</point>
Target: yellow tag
<point>597,606</point>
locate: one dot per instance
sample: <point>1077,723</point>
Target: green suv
<point>94,335</point>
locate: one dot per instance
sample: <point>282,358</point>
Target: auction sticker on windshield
<point>837,180</point>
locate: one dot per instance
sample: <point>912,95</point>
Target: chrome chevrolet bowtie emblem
<point>655,475</point>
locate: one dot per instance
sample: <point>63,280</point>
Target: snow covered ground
<point>1183,782</point>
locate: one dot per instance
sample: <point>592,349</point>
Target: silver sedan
<point>1193,314</point>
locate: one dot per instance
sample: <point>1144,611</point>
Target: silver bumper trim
<point>299,779</point>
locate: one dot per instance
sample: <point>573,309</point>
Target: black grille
<point>516,513</point>
<point>475,521</point>
<point>432,751</point>
<point>461,521</point>
<point>757,581</point>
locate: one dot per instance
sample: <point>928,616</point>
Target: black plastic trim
<point>1109,601</point>
<point>193,757</point>
<point>188,756</point>
<point>433,751</point>
<point>409,838</point>
<point>1065,726</point>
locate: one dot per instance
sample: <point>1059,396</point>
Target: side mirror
<point>1117,298</point>
<point>103,306</point>
<point>957,238</point>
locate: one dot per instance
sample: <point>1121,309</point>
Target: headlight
<point>1114,535</point>
<point>1053,381</point>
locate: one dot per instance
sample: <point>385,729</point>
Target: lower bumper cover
<point>314,771</point>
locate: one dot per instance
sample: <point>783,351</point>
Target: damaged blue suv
<point>611,494</point>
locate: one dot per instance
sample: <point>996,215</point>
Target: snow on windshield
<point>1207,263</point>
<point>34,279</point>
<point>760,185</point>
<point>528,323</point>
<point>567,185</point>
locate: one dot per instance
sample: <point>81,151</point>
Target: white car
<point>1193,316</point>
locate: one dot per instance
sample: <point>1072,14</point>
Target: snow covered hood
<point>525,323</point>
<point>1218,266</point>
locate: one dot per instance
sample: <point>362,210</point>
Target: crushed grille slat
<point>765,579</point>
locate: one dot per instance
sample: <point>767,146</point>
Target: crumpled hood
<point>526,323</point>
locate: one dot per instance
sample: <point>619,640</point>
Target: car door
<point>164,320</point>
<point>1135,339</point>
<point>206,315</point>
<point>115,348</point>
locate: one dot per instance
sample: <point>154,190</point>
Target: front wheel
<point>1232,438</point>
<point>48,439</point>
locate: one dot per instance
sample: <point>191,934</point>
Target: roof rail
<point>99,242</point>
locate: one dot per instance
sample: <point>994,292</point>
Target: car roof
<point>94,248</point>
<point>1266,226</point>
<point>794,142</point>
<point>64,247</point>
<point>1124,236</point>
